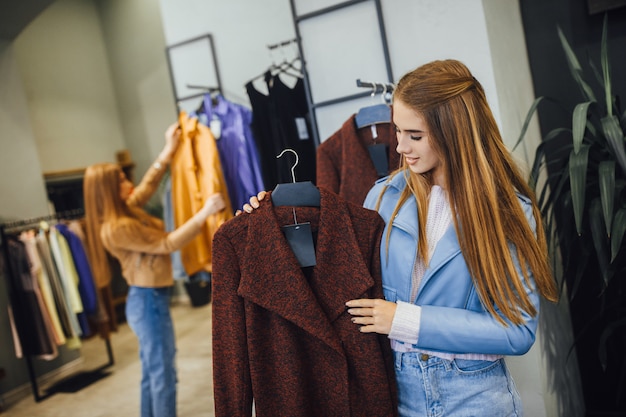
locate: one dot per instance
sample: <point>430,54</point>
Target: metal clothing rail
<point>13,227</point>
<point>298,19</point>
<point>376,87</point>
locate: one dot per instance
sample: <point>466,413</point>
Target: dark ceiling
<point>15,15</point>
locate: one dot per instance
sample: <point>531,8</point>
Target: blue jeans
<point>433,387</point>
<point>148,315</point>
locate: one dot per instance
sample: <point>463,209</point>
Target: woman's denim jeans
<point>148,315</point>
<point>433,387</point>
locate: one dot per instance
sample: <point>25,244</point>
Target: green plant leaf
<point>540,156</point>
<point>606,70</point>
<point>608,332</point>
<point>579,121</point>
<point>578,177</point>
<point>615,139</point>
<point>617,233</point>
<point>599,238</point>
<point>529,116</point>
<point>606,175</point>
<point>575,68</point>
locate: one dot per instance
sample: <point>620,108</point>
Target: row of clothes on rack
<point>55,299</point>
<point>249,141</point>
<point>229,148</point>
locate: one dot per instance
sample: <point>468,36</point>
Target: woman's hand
<point>254,203</point>
<point>172,140</point>
<point>214,204</point>
<point>374,315</point>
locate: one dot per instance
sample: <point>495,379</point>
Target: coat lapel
<point>273,279</point>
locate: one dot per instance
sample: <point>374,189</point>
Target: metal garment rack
<point>297,19</point>
<point>12,227</point>
<point>168,52</point>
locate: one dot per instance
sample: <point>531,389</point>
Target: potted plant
<point>583,201</point>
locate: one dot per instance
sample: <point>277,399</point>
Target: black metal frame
<point>15,226</point>
<point>339,6</point>
<point>217,88</point>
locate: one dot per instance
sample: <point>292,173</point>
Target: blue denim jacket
<point>453,319</point>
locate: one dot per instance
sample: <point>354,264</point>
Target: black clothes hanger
<point>299,194</point>
<point>288,68</point>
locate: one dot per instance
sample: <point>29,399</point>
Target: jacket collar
<point>447,247</point>
<point>275,281</point>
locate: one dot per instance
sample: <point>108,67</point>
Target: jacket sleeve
<point>464,331</point>
<point>132,235</point>
<point>232,386</point>
<point>146,188</point>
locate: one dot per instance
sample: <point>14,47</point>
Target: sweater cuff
<point>405,326</point>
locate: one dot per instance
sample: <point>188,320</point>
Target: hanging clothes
<point>28,237</point>
<point>282,337</point>
<point>86,285</point>
<point>32,324</point>
<point>344,164</point>
<point>68,278</point>
<point>281,120</point>
<point>178,271</point>
<point>262,131</point>
<point>196,174</point>
<point>102,321</point>
<point>236,146</point>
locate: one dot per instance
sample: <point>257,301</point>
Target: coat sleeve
<point>327,172</point>
<point>232,386</point>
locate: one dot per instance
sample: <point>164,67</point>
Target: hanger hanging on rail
<point>377,113</point>
<point>287,67</point>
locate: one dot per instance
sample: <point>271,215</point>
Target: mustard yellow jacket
<point>196,174</point>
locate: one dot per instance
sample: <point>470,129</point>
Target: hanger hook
<point>384,95</point>
<point>293,174</point>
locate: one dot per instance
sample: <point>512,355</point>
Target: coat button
<point>424,357</point>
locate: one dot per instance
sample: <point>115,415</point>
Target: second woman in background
<point>115,223</point>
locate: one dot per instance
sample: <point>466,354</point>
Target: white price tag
<point>303,132</point>
<point>216,127</point>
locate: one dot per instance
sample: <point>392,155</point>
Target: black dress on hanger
<point>280,121</point>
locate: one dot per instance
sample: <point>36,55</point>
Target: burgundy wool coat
<point>343,162</point>
<point>284,338</point>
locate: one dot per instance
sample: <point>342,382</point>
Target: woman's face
<point>126,187</point>
<point>414,142</point>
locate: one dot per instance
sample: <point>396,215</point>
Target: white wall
<point>62,61</point>
<point>22,191</point>
<point>135,45</point>
<point>241,31</point>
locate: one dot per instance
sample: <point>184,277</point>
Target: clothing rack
<point>206,39</point>
<point>376,87</point>
<point>282,44</point>
<point>12,227</point>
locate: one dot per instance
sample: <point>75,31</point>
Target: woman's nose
<point>401,147</point>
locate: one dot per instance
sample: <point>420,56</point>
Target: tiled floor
<point>117,395</point>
